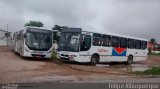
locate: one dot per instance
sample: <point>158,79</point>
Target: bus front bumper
<point>66,57</point>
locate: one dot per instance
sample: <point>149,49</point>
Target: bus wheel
<point>130,60</point>
<point>94,60</point>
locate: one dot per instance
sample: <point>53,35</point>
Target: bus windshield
<point>69,42</point>
<point>39,39</point>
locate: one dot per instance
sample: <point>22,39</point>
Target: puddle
<point>133,68</point>
<point>102,65</point>
<point>139,67</point>
<point>127,68</point>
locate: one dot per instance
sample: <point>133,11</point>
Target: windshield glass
<point>69,42</point>
<point>39,39</point>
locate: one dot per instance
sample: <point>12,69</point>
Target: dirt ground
<point>13,68</point>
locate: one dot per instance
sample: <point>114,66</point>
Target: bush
<point>54,55</point>
<point>55,59</point>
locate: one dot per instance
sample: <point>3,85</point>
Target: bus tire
<point>94,60</point>
<point>130,60</point>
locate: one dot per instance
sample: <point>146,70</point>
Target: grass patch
<point>150,71</point>
<point>158,54</point>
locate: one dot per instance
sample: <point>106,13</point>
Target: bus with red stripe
<point>83,46</point>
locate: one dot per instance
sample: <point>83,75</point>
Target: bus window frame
<point>108,38</point>
<point>82,43</point>
<point>122,44</point>
<point>137,46</point>
<point>143,46</point>
<point>131,43</point>
<point>99,37</point>
<point>116,43</point>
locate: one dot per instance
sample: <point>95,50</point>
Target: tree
<point>153,40</point>
<point>56,36</point>
<point>34,23</point>
<point>59,28</point>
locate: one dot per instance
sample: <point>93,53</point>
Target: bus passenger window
<point>131,43</point>
<point>123,42</point>
<point>137,44</point>
<point>96,39</point>
<point>106,40</point>
<point>86,43</point>
<point>143,45</point>
<point>115,41</point>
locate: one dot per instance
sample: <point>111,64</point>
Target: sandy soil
<point>13,68</point>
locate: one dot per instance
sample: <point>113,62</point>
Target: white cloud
<point>139,18</point>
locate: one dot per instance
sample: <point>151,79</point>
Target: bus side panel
<point>138,54</point>
<point>105,53</point>
<point>135,59</point>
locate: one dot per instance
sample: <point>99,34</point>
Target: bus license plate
<point>38,56</point>
<point>39,53</point>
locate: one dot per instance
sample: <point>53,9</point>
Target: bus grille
<point>36,55</point>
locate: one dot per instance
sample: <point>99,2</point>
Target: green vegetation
<point>150,71</point>
<point>55,59</point>
<point>34,23</point>
<point>59,28</point>
<point>54,55</point>
<point>153,40</point>
<point>158,54</point>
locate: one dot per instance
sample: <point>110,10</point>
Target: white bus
<point>33,42</point>
<point>83,46</point>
